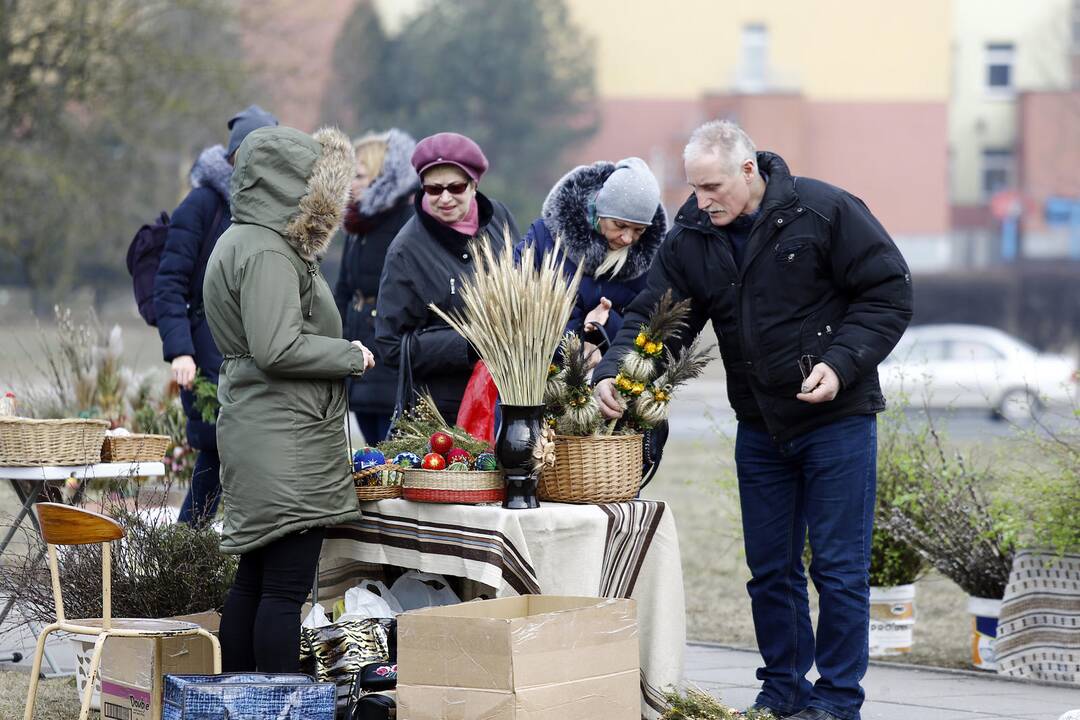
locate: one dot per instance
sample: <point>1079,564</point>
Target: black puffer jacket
<point>425,264</point>
<point>384,209</point>
<point>821,277</point>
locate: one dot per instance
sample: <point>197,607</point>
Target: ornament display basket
<point>134,448</point>
<point>381,482</point>
<point>467,487</point>
<point>26,443</point>
<point>593,469</point>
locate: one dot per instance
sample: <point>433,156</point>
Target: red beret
<point>449,148</point>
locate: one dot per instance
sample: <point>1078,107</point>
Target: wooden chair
<point>66,525</point>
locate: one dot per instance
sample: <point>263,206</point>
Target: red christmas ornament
<point>459,455</point>
<point>441,443</point>
<point>434,461</point>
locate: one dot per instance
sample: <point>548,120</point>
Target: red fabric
<point>477,412</point>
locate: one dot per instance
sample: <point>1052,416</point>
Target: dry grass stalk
<point>515,315</point>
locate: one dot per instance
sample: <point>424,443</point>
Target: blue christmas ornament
<point>367,457</point>
<point>486,461</point>
<point>407,459</point>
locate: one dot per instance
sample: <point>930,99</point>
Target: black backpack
<point>144,256</point>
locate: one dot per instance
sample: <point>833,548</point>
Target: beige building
<point>1000,48</point>
<point>836,50</point>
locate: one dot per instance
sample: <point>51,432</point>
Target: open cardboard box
<point>534,657</point>
<point>132,668</point>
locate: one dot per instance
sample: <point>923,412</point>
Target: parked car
<point>973,366</point>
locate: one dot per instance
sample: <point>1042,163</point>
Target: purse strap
<point>405,379</point>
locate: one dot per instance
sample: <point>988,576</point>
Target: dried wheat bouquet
<point>514,315</point>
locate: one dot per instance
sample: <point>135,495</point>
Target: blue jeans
<point>823,482</point>
<point>200,504</point>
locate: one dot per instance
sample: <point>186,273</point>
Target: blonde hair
<point>371,152</point>
<point>613,261</point>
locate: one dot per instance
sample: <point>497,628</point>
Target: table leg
<point>28,500</point>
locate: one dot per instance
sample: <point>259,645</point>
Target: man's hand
<point>183,371</point>
<point>821,385</point>
<point>611,404</point>
<point>369,359</point>
<point>598,316</point>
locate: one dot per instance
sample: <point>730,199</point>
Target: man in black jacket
<point>807,294</point>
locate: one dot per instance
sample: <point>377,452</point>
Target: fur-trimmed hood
<point>396,179</point>
<point>294,184</point>
<point>212,170</point>
<point>566,214</point>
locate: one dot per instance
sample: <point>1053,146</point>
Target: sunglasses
<point>455,188</point>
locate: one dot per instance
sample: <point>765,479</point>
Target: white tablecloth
<point>617,550</point>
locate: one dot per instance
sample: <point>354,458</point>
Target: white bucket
<point>892,620</point>
<point>84,652</point>
<point>985,613</point>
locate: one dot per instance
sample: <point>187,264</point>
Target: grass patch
<point>694,480</point>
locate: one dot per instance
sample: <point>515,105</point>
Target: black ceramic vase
<point>514,447</point>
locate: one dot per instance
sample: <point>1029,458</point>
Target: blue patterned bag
<point>247,696</point>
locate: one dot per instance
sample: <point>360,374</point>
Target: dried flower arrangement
<point>514,315</point>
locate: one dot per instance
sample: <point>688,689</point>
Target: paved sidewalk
<point>895,691</point>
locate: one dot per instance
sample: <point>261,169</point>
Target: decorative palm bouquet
<point>645,383</point>
<point>514,315</point>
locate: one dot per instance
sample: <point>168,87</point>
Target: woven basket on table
<point>25,442</point>
<point>380,482</point>
<point>453,486</point>
<point>593,469</point>
<point>134,448</point>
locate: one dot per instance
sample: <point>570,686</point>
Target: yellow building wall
<point>867,50</point>
<point>979,119</point>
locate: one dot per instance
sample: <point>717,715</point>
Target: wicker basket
<point>25,442</point>
<point>381,482</point>
<point>593,469</point>
<point>453,486</point>
<point>134,448</point>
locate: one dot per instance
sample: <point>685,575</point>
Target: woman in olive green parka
<point>285,470</point>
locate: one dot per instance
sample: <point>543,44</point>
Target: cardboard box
<point>534,657</point>
<point>132,670</point>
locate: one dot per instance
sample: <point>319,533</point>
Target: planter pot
<point>83,645</point>
<point>985,613</point>
<point>892,620</point>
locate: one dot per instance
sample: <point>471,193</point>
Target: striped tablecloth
<point>1038,634</point>
<point>627,550</point>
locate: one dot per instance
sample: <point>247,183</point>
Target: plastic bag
<point>417,589</point>
<point>379,588</point>
<point>476,414</point>
<point>362,604</point>
<point>316,617</point>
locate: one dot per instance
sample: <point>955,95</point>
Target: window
<point>999,68</point>
<point>996,171</point>
<point>754,62</point>
<point>971,350</point>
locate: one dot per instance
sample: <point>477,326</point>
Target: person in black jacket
<point>807,294</point>
<point>427,261</point>
<point>382,202</point>
<point>186,341</point>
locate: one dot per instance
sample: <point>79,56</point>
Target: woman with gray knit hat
<point>610,220</point>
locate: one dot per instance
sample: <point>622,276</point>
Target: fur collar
<point>396,179</point>
<point>566,215</point>
<point>212,170</point>
<point>323,204</point>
